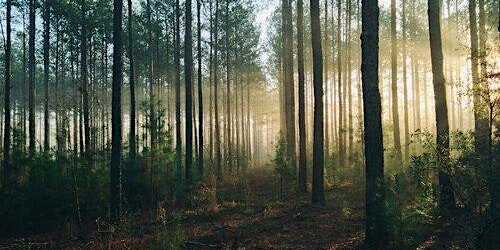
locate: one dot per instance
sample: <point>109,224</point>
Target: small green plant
<point>282,165</point>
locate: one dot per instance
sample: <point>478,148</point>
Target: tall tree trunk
<point>7,112</point>
<point>151,79</point>
<point>481,88</point>
<point>31,76</point>
<point>84,71</point>
<point>211,83</point>
<point>177,68</point>
<point>228,92</point>
<point>218,155</point>
<point>339,86</point>
<point>46,69</point>
<point>200,93</point>
<point>326,69</point>
<point>446,196</point>
<point>188,74</point>
<point>133,119</point>
<point>318,192</point>
<point>394,87</point>
<point>116,119</point>
<point>301,94</point>
<point>376,226</point>
<point>289,89</point>
<point>349,80</point>
<point>480,120</point>
<point>405,87</point>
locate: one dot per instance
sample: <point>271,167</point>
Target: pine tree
<point>116,119</point>
<point>446,196</point>
<point>376,226</point>
<point>318,192</point>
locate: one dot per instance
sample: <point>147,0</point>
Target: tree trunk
<point>301,94</point>
<point>151,73</point>
<point>394,87</point>
<point>200,93</point>
<point>46,69</point>
<point>376,226</point>
<point>218,155</point>
<point>446,196</point>
<point>288,83</point>
<point>87,148</point>
<point>405,88</point>
<point>227,119</point>
<point>132,141</point>
<point>177,48</point>
<point>116,119</point>
<point>318,192</point>
<point>481,89</point>
<point>480,122</point>
<point>326,69</point>
<point>188,74</point>
<point>7,112</point>
<point>31,76</point>
<point>339,86</point>
<point>349,81</point>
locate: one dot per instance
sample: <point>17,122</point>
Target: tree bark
<point>178,122</point>
<point>87,148</point>
<point>480,113</point>
<point>394,87</point>
<point>376,226</point>
<point>318,193</point>
<point>340,136</point>
<point>31,78</point>
<point>289,89</point>
<point>446,196</point>
<point>188,74</point>
<point>405,88</point>
<point>200,93</point>
<point>46,69</point>
<point>301,94</point>
<point>7,112</point>
<point>133,119</point>
<point>116,119</point>
<point>218,155</point>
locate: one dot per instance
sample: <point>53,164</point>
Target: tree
<point>446,196</point>
<point>301,94</point>
<point>318,192</point>
<point>46,69</point>
<point>481,127</point>
<point>200,92</point>
<point>218,155</point>
<point>394,86</point>
<point>289,89</point>
<point>31,76</point>
<point>376,226</point>
<point>188,75</point>
<point>7,112</point>
<point>116,116</point>
<point>151,74</point>
<point>86,145</point>
<point>405,87</point>
<point>133,119</point>
<point>339,79</point>
<point>177,48</point>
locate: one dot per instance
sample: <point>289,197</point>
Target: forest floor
<point>253,215</point>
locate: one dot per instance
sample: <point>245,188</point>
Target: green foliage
<point>412,193</point>
<point>411,201</point>
<point>171,239</point>
<point>282,165</point>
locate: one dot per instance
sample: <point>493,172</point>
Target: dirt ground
<point>252,215</point>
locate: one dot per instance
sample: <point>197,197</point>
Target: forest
<point>240,124</point>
